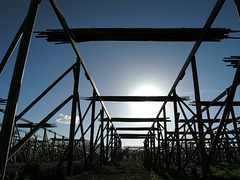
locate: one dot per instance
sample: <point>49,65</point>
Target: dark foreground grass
<point>114,171</point>
<point>118,171</point>
<point>34,171</point>
<point>218,172</point>
<point>45,171</point>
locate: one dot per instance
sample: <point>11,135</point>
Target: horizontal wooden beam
<point>134,98</point>
<point>218,103</point>
<point>196,133</point>
<point>136,119</point>
<point>134,34</point>
<point>203,120</point>
<point>134,128</point>
<point>133,136</point>
<point>47,125</point>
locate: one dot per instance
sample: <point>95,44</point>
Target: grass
<point>116,171</point>
<point>224,171</point>
<point>34,171</point>
<point>219,172</point>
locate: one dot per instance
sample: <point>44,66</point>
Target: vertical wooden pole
<point>92,131</point>
<point>158,151</point>
<point>119,148</point>
<point>145,152</point>
<point>112,140</point>
<point>185,143</point>
<point>154,147</point>
<point>102,138</point>
<point>210,125</point>
<point>82,134</point>
<point>176,116</point>
<point>165,138</point>
<point>235,127</point>
<point>115,146</point>
<point>11,106</point>
<point>203,155</point>
<point>107,142</point>
<point>76,71</point>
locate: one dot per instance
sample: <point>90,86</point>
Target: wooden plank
<point>136,119</point>
<point>134,128</point>
<point>204,120</point>
<point>134,98</point>
<point>219,103</point>
<point>134,34</point>
<point>47,125</point>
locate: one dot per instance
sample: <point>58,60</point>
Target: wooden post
<point>82,134</point>
<point>165,138</point>
<point>235,129</point>
<point>112,144</point>
<point>102,138</point>
<point>107,143</point>
<point>115,146</point>
<point>154,147</point>
<point>76,71</point>
<point>92,131</point>
<point>11,106</point>
<point>203,155</point>
<point>158,151</point>
<point>176,116</point>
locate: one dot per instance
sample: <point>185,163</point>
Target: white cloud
<point>65,119</point>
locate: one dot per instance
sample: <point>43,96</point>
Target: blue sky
<point>118,68</point>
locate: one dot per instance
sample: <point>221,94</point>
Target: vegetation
<point>116,171</point>
<point>34,171</point>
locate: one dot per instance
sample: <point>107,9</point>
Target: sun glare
<point>146,109</point>
<point>147,90</point>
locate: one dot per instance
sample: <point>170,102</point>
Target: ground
<point>115,171</point>
<point>120,171</point>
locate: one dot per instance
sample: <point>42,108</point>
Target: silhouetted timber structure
<point>134,34</point>
<point>202,138</point>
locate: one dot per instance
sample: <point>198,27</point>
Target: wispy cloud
<point>65,119</point>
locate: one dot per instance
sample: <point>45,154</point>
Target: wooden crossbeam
<point>134,98</point>
<point>47,125</point>
<point>134,34</point>
<point>204,120</point>
<point>136,119</point>
<point>219,103</point>
<point>133,136</point>
<point>134,128</point>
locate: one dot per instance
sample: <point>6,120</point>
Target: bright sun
<point>146,109</point>
<point>147,90</point>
